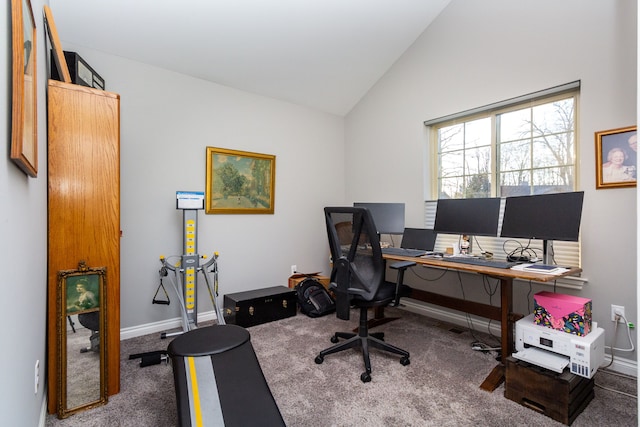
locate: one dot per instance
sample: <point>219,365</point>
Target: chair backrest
<point>358,266</point>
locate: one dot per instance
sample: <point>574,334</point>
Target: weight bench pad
<point>218,380</point>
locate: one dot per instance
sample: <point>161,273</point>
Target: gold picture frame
<point>82,343</point>
<point>239,182</point>
<point>24,126</point>
<point>616,158</point>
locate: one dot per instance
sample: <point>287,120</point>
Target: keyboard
<point>481,261</point>
<point>403,252</point>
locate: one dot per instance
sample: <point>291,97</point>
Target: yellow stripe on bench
<point>204,401</point>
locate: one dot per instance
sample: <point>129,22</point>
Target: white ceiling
<point>324,54</point>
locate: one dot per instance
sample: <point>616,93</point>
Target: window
<point>522,150</point>
<point>518,147</point>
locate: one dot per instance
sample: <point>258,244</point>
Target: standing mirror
<point>82,372</point>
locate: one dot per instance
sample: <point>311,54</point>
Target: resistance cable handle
<point>176,285</point>
<point>163,273</point>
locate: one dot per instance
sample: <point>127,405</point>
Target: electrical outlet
<point>36,377</point>
<point>619,309</point>
<point>294,268</point>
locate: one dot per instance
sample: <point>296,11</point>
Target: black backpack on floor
<point>313,298</point>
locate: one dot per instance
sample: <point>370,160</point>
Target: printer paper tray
<point>546,359</point>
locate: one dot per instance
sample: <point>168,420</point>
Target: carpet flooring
<point>439,388</point>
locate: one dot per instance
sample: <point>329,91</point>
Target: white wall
<point>168,120</point>
<point>23,249</point>
<point>477,53</point>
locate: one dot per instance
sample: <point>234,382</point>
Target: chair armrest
<point>341,277</point>
<point>401,266</point>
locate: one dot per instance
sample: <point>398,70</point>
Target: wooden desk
<point>504,313</point>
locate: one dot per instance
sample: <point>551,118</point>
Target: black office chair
<point>358,279</point>
<point>91,321</point>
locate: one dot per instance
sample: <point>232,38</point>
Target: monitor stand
<point>547,251</point>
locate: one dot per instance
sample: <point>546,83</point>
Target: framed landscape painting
<point>239,182</point>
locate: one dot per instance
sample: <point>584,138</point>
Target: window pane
<point>514,125</point>
<point>553,180</point>
<point>478,186</point>
<point>545,153</point>
<point>477,160</point>
<point>450,188</point>
<point>553,117</point>
<point>514,156</point>
<point>451,164</point>
<point>451,138</point>
<point>517,183</point>
<point>478,133</point>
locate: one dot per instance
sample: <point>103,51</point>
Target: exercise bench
<point>218,380</point>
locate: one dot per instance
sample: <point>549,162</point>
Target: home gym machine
<point>184,275</point>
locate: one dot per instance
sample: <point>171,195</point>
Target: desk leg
<point>496,377</point>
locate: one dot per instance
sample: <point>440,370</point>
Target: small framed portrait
<point>616,158</point>
<point>82,290</point>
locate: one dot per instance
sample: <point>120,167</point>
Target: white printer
<point>554,350</point>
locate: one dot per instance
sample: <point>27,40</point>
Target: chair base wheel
<point>405,361</point>
<point>334,339</point>
<point>319,359</point>
<point>365,377</point>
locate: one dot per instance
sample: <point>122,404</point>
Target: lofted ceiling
<point>323,54</point>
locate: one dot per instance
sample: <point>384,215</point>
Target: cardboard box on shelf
<point>299,277</point>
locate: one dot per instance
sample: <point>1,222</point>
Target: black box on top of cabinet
<point>259,306</point>
<point>80,72</point>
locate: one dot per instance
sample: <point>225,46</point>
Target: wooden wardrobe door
<point>84,205</point>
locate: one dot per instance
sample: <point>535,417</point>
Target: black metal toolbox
<point>259,306</point>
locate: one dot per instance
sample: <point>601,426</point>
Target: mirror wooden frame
<point>96,283</point>
<point>24,126</point>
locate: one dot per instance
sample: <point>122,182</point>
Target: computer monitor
<point>388,217</point>
<point>543,216</point>
<point>472,217</point>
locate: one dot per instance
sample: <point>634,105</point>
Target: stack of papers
<point>540,268</point>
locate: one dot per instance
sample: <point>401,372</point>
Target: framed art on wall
<point>239,182</point>
<point>24,130</point>
<point>616,157</point>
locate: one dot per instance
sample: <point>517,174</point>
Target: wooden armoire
<point>84,207</point>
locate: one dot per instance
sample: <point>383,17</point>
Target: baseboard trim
<point>456,318</point>
<point>161,326</point>
<point>621,365</point>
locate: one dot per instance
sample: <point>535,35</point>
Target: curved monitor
<point>388,217</point>
<point>543,217</point>
<point>476,217</point>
